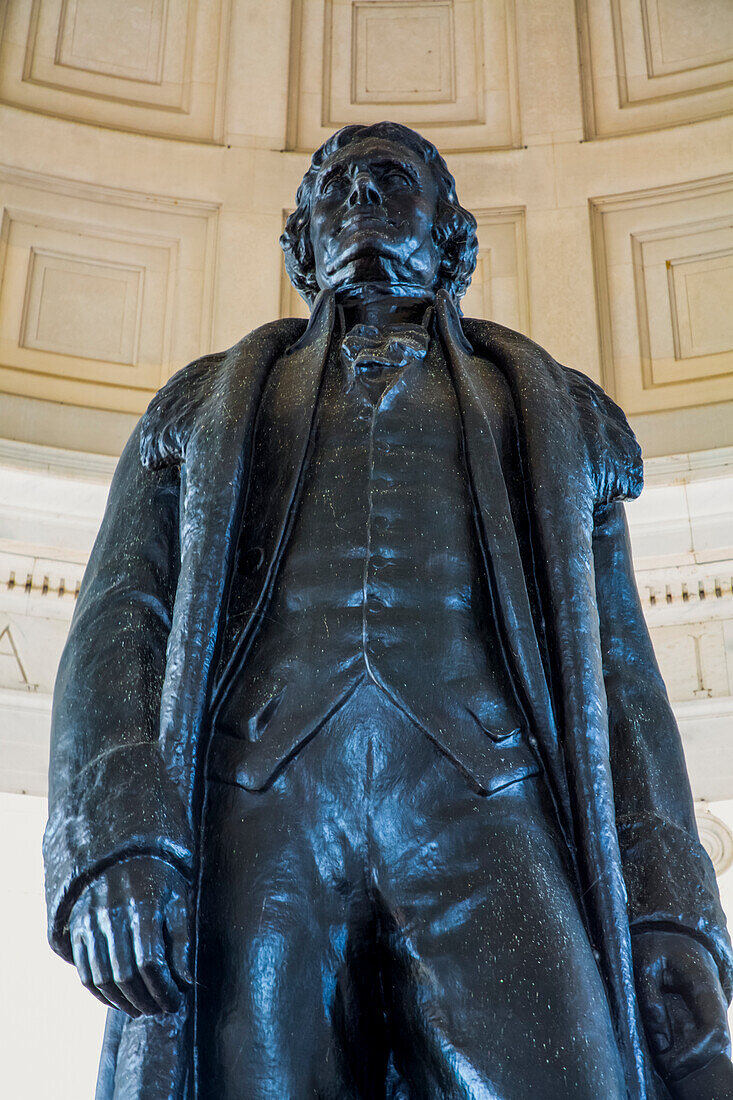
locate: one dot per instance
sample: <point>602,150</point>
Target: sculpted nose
<point>364,191</point>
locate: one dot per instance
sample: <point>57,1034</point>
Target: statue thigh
<point>370,926</point>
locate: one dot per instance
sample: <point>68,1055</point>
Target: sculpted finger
<point>693,1049</point>
<point>103,977</point>
<point>700,1012</point>
<point>152,965</point>
<point>84,970</point>
<point>704,996</point>
<point>709,1011</point>
<point>657,1023</point>
<point>178,943</point>
<point>138,994</point>
<point>81,958</point>
<point>124,968</point>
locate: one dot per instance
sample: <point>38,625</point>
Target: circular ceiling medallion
<point>716,837</point>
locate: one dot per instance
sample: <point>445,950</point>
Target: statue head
<point>378,208</point>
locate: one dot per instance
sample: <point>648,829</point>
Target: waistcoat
<point>383,578</point>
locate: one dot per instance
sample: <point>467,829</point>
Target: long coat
<point>130,720</point>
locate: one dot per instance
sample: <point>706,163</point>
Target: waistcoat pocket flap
<point>496,723</point>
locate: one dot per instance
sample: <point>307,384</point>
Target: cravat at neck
<point>376,357</point>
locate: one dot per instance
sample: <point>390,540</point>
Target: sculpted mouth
<point>357,247</point>
<point>365,219</point>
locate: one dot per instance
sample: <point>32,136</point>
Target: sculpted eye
<point>331,184</point>
<point>399,176</point>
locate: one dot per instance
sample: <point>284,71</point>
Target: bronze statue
<point>364,781</point>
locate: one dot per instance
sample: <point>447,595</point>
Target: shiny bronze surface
<point>364,782</point>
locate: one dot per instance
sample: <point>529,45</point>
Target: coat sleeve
<point>109,793</point>
<point>669,878</point>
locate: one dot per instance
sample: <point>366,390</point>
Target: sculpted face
<point>373,209</point>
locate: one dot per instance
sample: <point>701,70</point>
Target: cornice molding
<point>99,192</point>
<point>79,465</point>
<point>664,470</point>
<point>696,466</point>
<point>38,701</point>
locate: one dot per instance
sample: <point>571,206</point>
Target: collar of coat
<point>563,412</point>
<point>579,453</point>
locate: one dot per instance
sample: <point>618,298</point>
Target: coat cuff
<point>122,804</point>
<point>670,881</point>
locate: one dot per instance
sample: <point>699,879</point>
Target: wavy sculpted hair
<point>454,231</point>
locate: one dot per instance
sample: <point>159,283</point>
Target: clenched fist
<point>681,1002</point>
<point>130,936</point>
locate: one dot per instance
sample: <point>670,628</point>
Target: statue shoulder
<point>185,398</point>
<point>612,445</point>
<point>540,383</point>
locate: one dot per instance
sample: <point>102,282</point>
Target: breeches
<point>370,927</point>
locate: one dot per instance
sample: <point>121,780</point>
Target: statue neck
<point>380,305</point>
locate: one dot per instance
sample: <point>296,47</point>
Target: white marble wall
<point>50,1027</point>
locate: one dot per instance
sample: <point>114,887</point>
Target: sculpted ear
<point>454,234</point>
<point>295,242</point>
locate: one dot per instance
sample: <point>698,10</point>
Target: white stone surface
<point>104,292</point>
<point>663,269</point>
<point>50,1027</point>
<point>652,63</point>
<point>51,505</point>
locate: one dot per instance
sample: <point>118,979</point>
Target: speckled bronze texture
<point>364,782</point>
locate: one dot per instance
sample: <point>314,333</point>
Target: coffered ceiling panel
<point>684,278</point>
<point>150,65</point>
<point>647,64</point>
<point>664,276</point>
<point>103,293</point>
<point>445,67</point>
<point>680,36</point>
<point>499,289</point>
<point>63,291</point>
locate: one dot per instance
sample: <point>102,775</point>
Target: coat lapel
<point>293,383</point>
<point>202,420</point>
<point>503,560</point>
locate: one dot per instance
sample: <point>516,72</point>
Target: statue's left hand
<point>130,936</point>
<point>680,1000</point>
